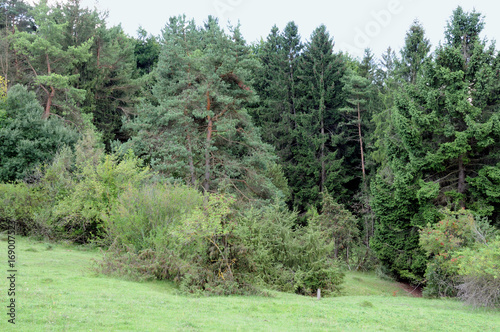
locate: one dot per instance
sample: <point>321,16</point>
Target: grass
<point>56,291</point>
<point>366,284</point>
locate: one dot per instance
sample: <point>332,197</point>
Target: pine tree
<point>107,75</point>
<point>200,131</point>
<point>51,61</point>
<point>14,16</point>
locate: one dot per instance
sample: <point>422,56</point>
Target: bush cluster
<point>70,197</point>
<point>465,256</point>
<point>152,229</point>
<point>209,243</point>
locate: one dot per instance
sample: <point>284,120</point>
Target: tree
<point>201,132</point>
<point>276,86</point>
<point>357,91</point>
<point>108,80</point>
<point>462,31</point>
<point>107,76</point>
<point>382,119</point>
<point>445,127</point>
<point>51,61</point>
<point>317,165</point>
<point>338,225</point>
<point>147,51</point>
<point>27,140</point>
<point>367,67</point>
<point>14,16</point>
<point>413,54</point>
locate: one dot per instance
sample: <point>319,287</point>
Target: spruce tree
<point>444,152</point>
<point>317,164</point>
<point>276,86</point>
<point>413,54</point>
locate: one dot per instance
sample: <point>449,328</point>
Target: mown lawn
<point>56,291</point>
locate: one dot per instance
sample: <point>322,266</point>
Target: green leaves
<point>26,139</point>
<point>201,132</point>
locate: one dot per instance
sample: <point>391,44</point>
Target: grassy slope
<point>56,292</point>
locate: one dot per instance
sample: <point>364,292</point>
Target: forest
<point>227,166</point>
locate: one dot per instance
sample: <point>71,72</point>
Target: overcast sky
<point>354,25</point>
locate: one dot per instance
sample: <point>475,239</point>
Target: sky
<point>354,25</point>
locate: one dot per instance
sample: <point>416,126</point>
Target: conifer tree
<point>27,140</point>
<point>200,131</point>
<point>446,128</point>
<point>107,75</point>
<point>52,62</point>
<point>357,94</point>
<point>276,86</point>
<point>413,54</point>
<point>317,166</point>
<point>14,16</point>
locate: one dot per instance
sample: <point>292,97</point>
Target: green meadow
<point>57,290</point>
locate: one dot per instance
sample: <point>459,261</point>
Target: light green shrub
<point>455,245</point>
<point>19,204</point>
<point>479,268</point>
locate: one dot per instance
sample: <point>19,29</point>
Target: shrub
<point>286,259</point>
<point>19,204</point>
<point>141,216</point>
<point>173,232</point>
<point>439,241</point>
<point>479,269</point>
<point>205,245</point>
<point>97,182</point>
<point>449,273</point>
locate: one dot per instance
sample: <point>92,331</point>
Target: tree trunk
<point>292,95</point>
<point>99,54</point>
<point>323,167</point>
<point>50,96</point>
<point>322,123</point>
<point>190,150</point>
<point>46,113</point>
<point>361,147</point>
<point>461,178</point>
<point>190,159</point>
<point>206,184</point>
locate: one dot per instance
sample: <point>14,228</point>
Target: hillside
<point>56,290</point>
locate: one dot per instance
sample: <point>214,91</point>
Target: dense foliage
<point>27,140</point>
<point>464,258</point>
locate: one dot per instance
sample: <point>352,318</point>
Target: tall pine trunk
<point>190,158</point>
<point>361,147</point>
<point>50,95</point>
<point>206,184</point>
